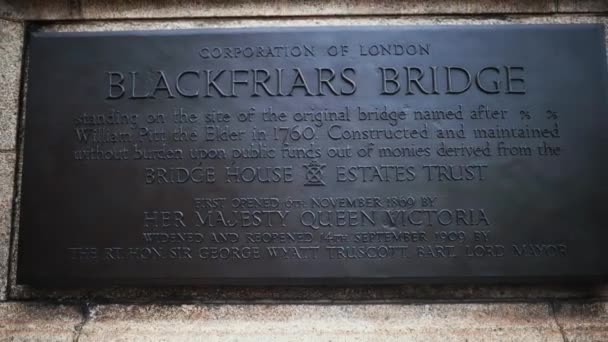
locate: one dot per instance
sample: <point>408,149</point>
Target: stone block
<point>135,9</point>
<point>39,322</point>
<point>11,48</point>
<point>7,166</point>
<point>434,322</point>
<point>541,321</point>
<point>583,322</point>
<point>95,9</point>
<point>583,6</point>
<point>39,9</point>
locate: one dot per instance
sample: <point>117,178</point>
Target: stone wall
<point>534,312</point>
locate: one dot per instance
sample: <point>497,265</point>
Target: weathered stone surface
<point>28,321</point>
<point>435,322</point>
<point>38,322</point>
<point>583,321</point>
<point>11,47</point>
<point>7,166</point>
<point>583,6</point>
<point>206,8</point>
<point>100,9</point>
<point>562,321</point>
<point>39,9</point>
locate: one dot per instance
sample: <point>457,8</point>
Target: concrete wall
<point>540,312</point>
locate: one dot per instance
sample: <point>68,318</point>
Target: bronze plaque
<point>334,155</point>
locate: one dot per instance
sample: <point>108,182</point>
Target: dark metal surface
<point>315,156</point>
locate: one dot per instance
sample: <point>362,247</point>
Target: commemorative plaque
<point>334,155</point>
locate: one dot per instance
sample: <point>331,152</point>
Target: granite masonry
<point>500,312</point>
